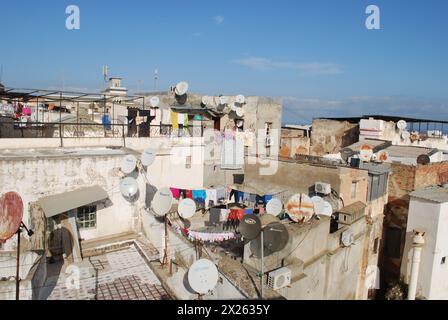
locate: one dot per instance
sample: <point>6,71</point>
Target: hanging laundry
<point>175,192</point>
<point>239,196</point>
<point>174,120</point>
<point>220,194</point>
<point>260,200</point>
<point>189,194</point>
<point>183,193</point>
<point>211,197</point>
<point>246,197</point>
<point>249,211</point>
<point>267,198</point>
<point>199,195</point>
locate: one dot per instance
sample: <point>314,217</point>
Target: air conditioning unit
<point>279,278</point>
<point>322,187</point>
<point>347,238</point>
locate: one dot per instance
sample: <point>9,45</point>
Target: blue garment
<point>267,198</point>
<point>199,195</point>
<point>106,122</point>
<point>260,200</point>
<point>239,196</point>
<point>249,211</point>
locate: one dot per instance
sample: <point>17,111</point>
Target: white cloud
<point>304,68</point>
<point>218,19</point>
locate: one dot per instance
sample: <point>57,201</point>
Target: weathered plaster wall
<point>329,136</point>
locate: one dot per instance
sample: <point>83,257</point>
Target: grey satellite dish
<point>186,208</point>
<point>240,99</point>
<point>128,187</point>
<point>162,202</point>
<point>181,88</point>
<point>327,209</point>
<point>203,276</point>
<point>276,237</point>
<point>274,207</point>
<point>423,159</point>
<point>250,226</point>
<point>405,135</point>
<point>148,157</point>
<point>128,164</point>
<point>322,207</point>
<point>154,101</point>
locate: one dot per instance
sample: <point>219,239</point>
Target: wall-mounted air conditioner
<point>279,278</point>
<point>322,188</point>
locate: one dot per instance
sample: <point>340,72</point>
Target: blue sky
<point>317,55</point>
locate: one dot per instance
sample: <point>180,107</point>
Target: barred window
<point>86,217</point>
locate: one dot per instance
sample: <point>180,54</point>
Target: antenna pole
<point>165,254</point>
<point>18,265</point>
<point>262,264</point>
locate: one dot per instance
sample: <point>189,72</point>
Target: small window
<point>354,190</point>
<point>86,217</point>
<point>443,260</point>
<point>188,162</point>
<point>393,242</point>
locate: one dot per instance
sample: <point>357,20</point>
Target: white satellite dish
<point>233,106</point>
<point>128,164</point>
<point>148,157</point>
<point>128,187</point>
<point>274,207</point>
<point>187,208</point>
<point>405,135</point>
<point>402,125</point>
<point>154,101</point>
<point>203,276</point>
<point>162,202</point>
<point>239,112</point>
<point>181,88</point>
<point>206,100</point>
<point>240,99</point>
<point>223,100</point>
<point>322,207</point>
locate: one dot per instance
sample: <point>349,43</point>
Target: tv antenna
<point>105,72</point>
<point>156,79</point>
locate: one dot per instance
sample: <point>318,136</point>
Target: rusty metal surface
<point>11,214</point>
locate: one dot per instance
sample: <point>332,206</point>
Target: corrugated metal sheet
<point>56,204</point>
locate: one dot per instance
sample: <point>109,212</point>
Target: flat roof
<point>383,117</point>
<point>409,151</point>
<point>56,153</point>
<point>435,194</point>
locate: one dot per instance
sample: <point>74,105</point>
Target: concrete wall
<point>294,142</point>
<point>431,218</point>
<point>329,136</point>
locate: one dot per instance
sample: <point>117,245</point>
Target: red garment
<point>189,194</point>
<point>236,214</point>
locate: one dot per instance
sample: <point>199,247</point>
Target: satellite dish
<point>206,100</point>
<point>322,207</point>
<point>11,214</point>
<point>223,100</point>
<point>239,112</point>
<point>275,239</point>
<point>405,135</point>
<point>148,157</point>
<point>181,88</point>
<point>250,226</point>
<point>233,106</point>
<point>423,159</point>
<point>240,99</point>
<point>383,156</point>
<point>274,207</point>
<point>128,187</point>
<point>186,208</point>
<point>128,164</point>
<point>154,101</point>
<point>203,276</point>
<point>300,208</point>
<point>366,153</point>
<point>162,202</point>
<point>402,125</point>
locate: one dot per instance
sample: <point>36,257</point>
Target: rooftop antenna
<point>156,79</point>
<point>105,72</point>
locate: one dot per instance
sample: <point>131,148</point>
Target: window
<point>443,260</point>
<point>188,162</point>
<point>377,186</point>
<point>354,190</point>
<point>86,217</point>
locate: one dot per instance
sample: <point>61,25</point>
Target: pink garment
<point>175,192</point>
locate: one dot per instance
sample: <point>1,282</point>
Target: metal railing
<point>17,129</point>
